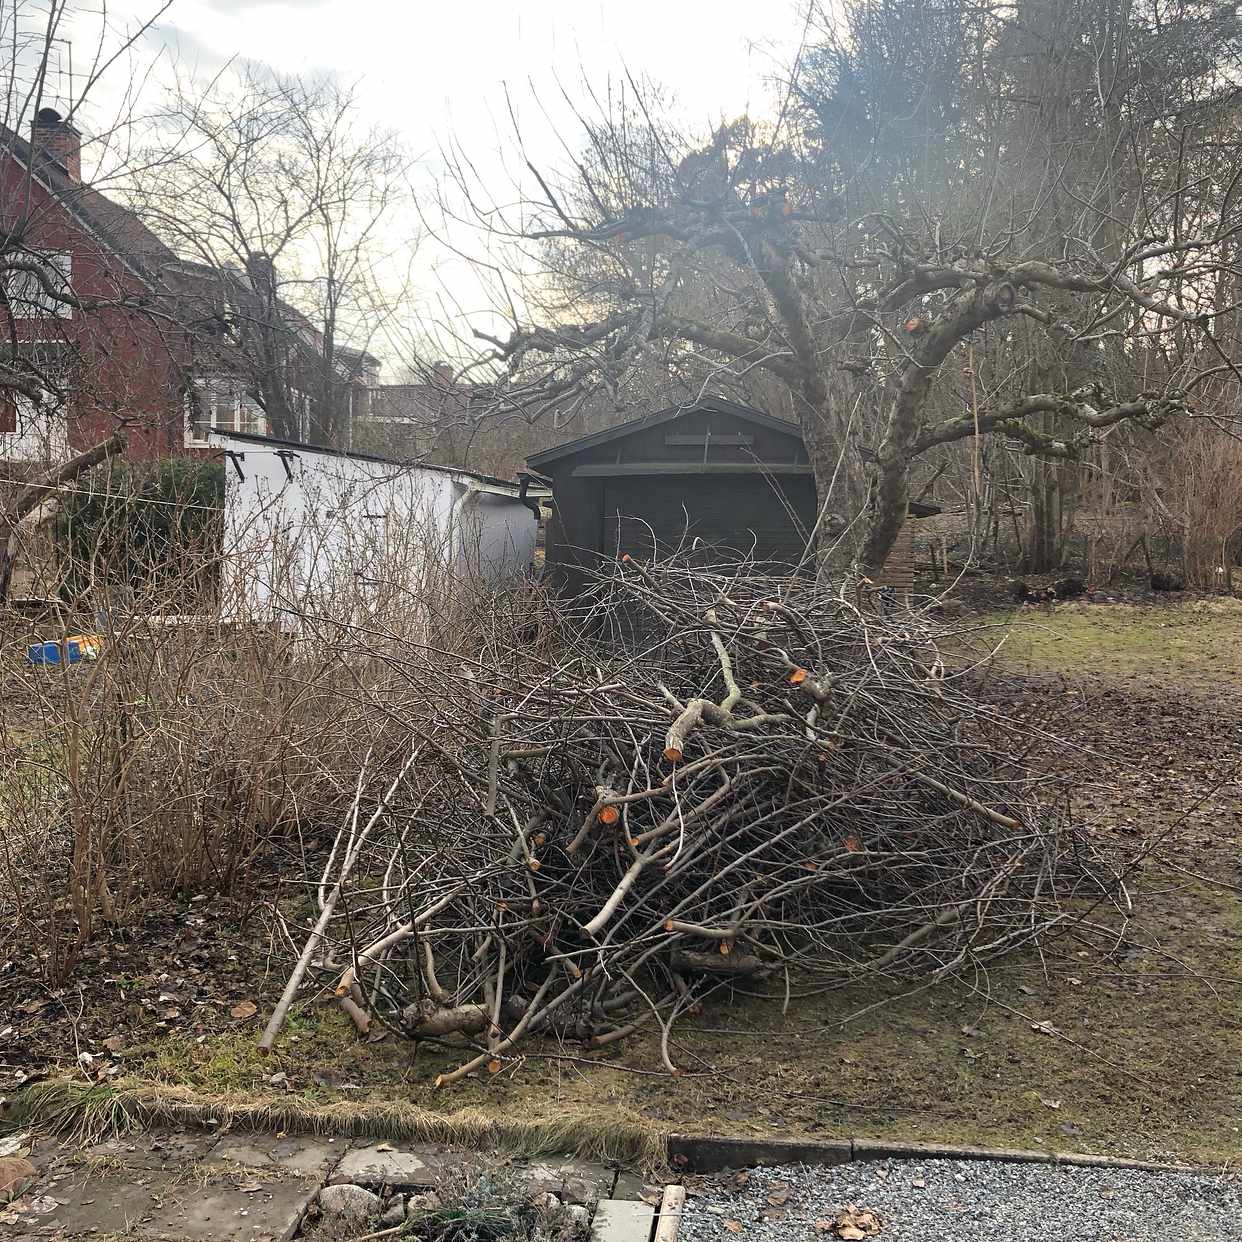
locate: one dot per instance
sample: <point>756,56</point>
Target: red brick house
<point>103,327</point>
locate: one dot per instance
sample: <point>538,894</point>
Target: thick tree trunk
<point>1046,546</point>
<point>892,492</point>
<point>971,310</point>
<point>817,393</point>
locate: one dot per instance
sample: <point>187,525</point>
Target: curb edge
<point>693,1153</point>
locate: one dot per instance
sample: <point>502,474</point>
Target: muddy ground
<point>1124,1036</point>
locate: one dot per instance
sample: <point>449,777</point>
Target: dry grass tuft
<point>89,1114</point>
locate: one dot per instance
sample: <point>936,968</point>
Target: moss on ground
<point>1178,644</point>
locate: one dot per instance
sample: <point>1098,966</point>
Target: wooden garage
<point>724,478</point>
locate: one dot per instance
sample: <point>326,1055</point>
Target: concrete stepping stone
<point>622,1220</point>
<point>405,1166</point>
<point>146,1205</point>
<point>576,1181</point>
<point>156,1150</point>
<point>303,1155</point>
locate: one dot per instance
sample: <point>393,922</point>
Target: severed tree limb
<point>425,1020</point>
<point>360,1018</point>
<point>742,964</point>
<point>35,492</point>
<point>443,1080</point>
<point>281,1012</point>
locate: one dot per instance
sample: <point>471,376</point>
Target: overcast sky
<point>435,69</point>
<point>428,64</point>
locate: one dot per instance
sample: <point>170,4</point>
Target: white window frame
<point>222,392</point>
<point>42,434</point>
<point>26,295</point>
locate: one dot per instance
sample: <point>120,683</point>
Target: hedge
<point>148,527</point>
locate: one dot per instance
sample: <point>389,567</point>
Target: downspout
<point>459,505</point>
<point>525,480</point>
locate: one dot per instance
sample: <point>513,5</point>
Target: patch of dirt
<point>177,974</point>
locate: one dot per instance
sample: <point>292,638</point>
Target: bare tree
<point>56,324</point>
<point>904,208</point>
<point>272,188</point>
<point>77,304</point>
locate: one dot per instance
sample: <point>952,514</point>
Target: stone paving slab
<point>167,1206</point>
<point>228,1214</point>
<point>302,1154</point>
<point>159,1150</point>
<point>577,1181</point>
<point>632,1186</point>
<point>622,1220</point>
<point>413,1166</point>
<point>192,1186</point>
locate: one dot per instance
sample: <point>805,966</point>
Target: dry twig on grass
<point>705,777</point>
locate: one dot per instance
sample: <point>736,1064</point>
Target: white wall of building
<point>346,533</point>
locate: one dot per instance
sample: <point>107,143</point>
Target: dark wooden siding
<point>703,473</point>
<point>732,514</point>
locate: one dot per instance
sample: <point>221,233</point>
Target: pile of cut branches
<point>700,777</point>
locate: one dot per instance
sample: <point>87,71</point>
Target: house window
<point>30,432</point>
<point>36,431</point>
<point>221,403</point>
<point>27,295</point>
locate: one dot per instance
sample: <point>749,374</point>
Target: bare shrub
<point>173,760</point>
<point>1201,504</point>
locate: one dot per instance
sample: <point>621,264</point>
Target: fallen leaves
<point>16,1174</point>
<point>1046,1028</point>
<point>852,1224</point>
<point>244,1009</point>
<point>733,1226</point>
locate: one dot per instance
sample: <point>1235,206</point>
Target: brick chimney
<point>442,376</point>
<point>52,135</point>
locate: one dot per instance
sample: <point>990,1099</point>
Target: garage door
<point>719,517</point>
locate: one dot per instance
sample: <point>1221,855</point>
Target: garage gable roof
<point>745,412</point>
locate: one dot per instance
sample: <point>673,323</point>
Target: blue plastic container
<point>51,653</point>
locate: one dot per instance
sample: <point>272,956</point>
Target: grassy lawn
<point>1189,646</point>
<point>1122,1038</point>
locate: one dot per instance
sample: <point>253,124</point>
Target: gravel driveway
<point>943,1200</point>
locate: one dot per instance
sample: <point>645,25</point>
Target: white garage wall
<point>347,533</point>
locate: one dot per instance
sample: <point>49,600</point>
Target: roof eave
<point>300,446</point>
<point>719,404</point>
